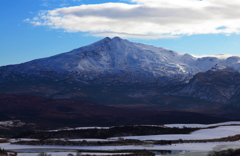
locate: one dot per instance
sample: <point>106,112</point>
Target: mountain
<point>215,85</point>
<point>116,71</point>
<point>118,60</point>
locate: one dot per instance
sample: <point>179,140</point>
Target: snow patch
<point>202,125</point>
<point>183,146</point>
<point>214,133</point>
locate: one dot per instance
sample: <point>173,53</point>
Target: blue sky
<point>32,29</point>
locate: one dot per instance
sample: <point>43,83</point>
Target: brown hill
<point>51,113</point>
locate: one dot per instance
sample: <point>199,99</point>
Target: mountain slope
<point>118,60</point>
<point>116,71</point>
<point>106,60</point>
<point>215,85</point>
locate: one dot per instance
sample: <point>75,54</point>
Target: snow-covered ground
<point>77,128</point>
<point>196,149</point>
<point>202,125</point>
<point>50,153</point>
<point>166,125</point>
<point>92,127</point>
<point>85,153</point>
<point>213,133</point>
<point>183,146</point>
<point>22,139</point>
<point>11,123</point>
<point>64,139</point>
<point>66,153</point>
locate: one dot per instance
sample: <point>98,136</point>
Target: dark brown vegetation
<point>52,113</point>
<point>122,141</point>
<point>107,133</point>
<point>3,152</point>
<point>82,143</point>
<point>229,152</point>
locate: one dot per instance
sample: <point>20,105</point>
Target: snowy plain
<point>191,149</point>
<point>66,153</point>
<point>77,128</point>
<point>64,139</point>
<point>203,125</point>
<point>183,146</point>
<point>212,133</point>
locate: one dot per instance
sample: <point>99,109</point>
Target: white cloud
<point>127,35</point>
<point>146,18</point>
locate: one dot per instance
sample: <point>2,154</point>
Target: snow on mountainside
<point>121,60</point>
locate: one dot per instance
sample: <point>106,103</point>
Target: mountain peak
<point>107,39</point>
<point>117,38</point>
<point>114,39</point>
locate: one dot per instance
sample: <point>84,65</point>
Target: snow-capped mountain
<point>142,71</point>
<point>121,60</point>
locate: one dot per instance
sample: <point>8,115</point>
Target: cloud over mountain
<point>146,18</point>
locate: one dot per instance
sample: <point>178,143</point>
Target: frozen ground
<point>203,125</point>
<point>66,153</point>
<point>52,154</point>
<point>22,139</point>
<point>166,125</point>
<point>64,139</point>
<point>184,146</point>
<point>213,133</point>
<point>188,149</point>
<point>11,123</point>
<point>77,128</point>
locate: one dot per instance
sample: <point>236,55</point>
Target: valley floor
<point>185,148</point>
<point>194,148</point>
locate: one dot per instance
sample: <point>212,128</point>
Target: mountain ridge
<point>119,68</point>
<point>109,57</point>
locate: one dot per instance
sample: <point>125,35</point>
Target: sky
<point>32,29</point>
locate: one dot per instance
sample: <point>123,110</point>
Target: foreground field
<point>203,134</point>
<point>62,150</point>
<point>198,140</point>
